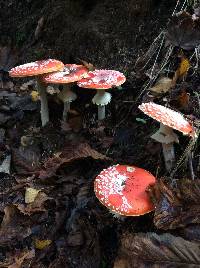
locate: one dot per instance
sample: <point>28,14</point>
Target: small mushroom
<point>37,69</point>
<point>169,120</point>
<point>122,189</point>
<point>102,80</point>
<point>71,73</point>
<point>166,136</point>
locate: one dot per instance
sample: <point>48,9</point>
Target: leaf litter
<point>153,250</point>
<point>176,206</point>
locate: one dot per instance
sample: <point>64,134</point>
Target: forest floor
<point>65,225</point>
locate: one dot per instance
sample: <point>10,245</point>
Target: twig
<point>191,165</point>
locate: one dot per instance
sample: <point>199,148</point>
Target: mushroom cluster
<point>55,72</point>
<point>121,188</point>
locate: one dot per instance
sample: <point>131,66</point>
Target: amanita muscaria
<point>169,120</point>
<point>38,69</point>
<point>122,189</point>
<point>102,80</point>
<point>70,73</point>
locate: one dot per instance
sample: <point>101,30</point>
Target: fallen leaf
<point>76,123</point>
<point>41,244</point>
<point>183,31</point>
<point>14,227</point>
<point>70,153</point>
<point>30,195</point>
<point>35,95</point>
<point>83,236</point>
<point>16,259</point>
<point>183,66</point>
<point>163,85</point>
<point>176,206</point>
<point>37,205</point>
<point>26,159</point>
<point>183,100</point>
<point>25,86</point>
<point>121,263</point>
<point>88,65</point>
<point>153,250</point>
<point>5,165</point>
<point>191,232</point>
<point>182,70</point>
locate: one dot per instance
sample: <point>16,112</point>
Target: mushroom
<point>166,136</point>
<point>71,73</point>
<point>169,120</point>
<point>102,80</point>
<point>38,68</point>
<point>122,189</point>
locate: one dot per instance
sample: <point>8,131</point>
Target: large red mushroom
<point>102,80</point>
<point>122,189</point>
<point>37,69</point>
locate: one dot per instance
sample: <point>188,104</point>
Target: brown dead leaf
<point>15,260</point>
<point>36,206</point>
<point>176,206</point>
<point>26,159</point>
<point>191,232</point>
<point>152,250</point>
<point>163,85</point>
<point>83,236</point>
<point>70,153</point>
<point>88,65</point>
<point>121,263</point>
<point>183,31</point>
<point>14,227</point>
<point>180,99</point>
<point>76,123</point>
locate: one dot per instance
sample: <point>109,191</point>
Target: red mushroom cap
<point>168,117</point>
<point>122,189</point>
<point>36,68</point>
<point>71,73</point>
<point>102,79</point>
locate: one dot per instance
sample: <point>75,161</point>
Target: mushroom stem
<point>166,136</point>
<point>101,99</point>
<point>169,155</point>
<point>101,112</point>
<point>44,111</point>
<point>66,110</point>
<point>67,96</point>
